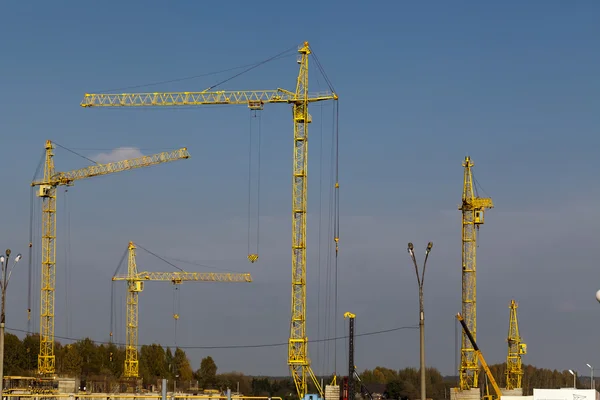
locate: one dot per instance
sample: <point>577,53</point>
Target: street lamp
<point>592,385</point>
<point>5,278</point>
<point>574,378</point>
<point>421,309</point>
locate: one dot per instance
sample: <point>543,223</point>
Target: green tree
<point>90,355</point>
<point>72,361</point>
<point>14,356</point>
<point>116,359</point>
<point>261,387</point>
<point>232,379</point>
<point>182,366</point>
<point>153,364</point>
<point>31,347</point>
<point>207,374</point>
<point>170,365</point>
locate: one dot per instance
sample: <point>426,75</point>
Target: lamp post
<point>574,378</point>
<point>5,278</point>
<point>592,385</point>
<point>420,279</point>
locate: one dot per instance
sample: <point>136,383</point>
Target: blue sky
<point>514,85</point>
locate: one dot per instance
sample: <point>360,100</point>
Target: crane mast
<point>472,208</point>
<point>477,353</point>
<point>516,348</point>
<point>298,360</point>
<point>47,191</point>
<point>135,285</point>
<point>131,369</point>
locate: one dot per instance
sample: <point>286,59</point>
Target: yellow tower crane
<point>47,191</point>
<point>516,348</point>
<point>298,359</point>
<point>477,353</point>
<point>472,208</point>
<point>135,284</point>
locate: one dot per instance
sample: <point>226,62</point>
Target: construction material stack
<point>332,392</point>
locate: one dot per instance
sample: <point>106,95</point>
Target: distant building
<point>558,394</point>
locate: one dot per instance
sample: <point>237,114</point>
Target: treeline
<point>87,360</point>
<point>90,361</point>
<point>406,383</point>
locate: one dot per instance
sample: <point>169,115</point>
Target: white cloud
<point>118,154</point>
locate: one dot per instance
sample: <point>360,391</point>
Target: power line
<point>248,346</point>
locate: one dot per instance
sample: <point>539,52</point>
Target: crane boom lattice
<point>47,191</point>
<point>298,360</point>
<point>135,285</point>
<point>472,208</point>
<point>516,348</point>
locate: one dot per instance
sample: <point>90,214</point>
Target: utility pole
<point>420,280</point>
<point>574,378</point>
<point>3,285</point>
<point>351,369</point>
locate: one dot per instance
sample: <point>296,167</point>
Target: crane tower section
<point>516,348</point>
<point>472,208</point>
<point>135,285</point>
<point>298,359</point>
<point>47,191</point>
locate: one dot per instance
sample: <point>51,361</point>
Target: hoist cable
<point>253,253</point>
<point>113,307</point>
<point>258,186</point>
<point>30,271</point>
<point>175,311</point>
<point>330,224</point>
<point>249,179</point>
<point>112,310</point>
<point>30,260</point>
<point>319,241</point>
<point>336,221</point>
<point>65,260</point>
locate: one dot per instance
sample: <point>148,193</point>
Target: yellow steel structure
<point>472,208</point>
<point>47,191</point>
<point>298,359</point>
<point>135,284</point>
<point>477,353</point>
<point>516,348</point>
